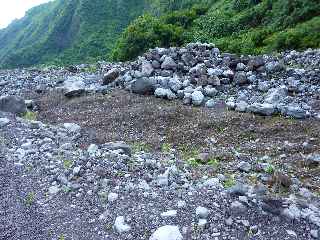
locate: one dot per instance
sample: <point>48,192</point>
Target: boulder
<point>12,104</point>
<point>168,232</point>
<point>265,109</point>
<point>169,64</point>
<point>144,85</point>
<point>110,76</point>
<point>256,62</point>
<point>240,78</point>
<point>164,93</point>
<point>175,84</point>
<point>73,87</point>
<point>275,95</point>
<point>119,145</point>
<point>197,98</point>
<point>146,69</point>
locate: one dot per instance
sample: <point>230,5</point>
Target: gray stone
<point>274,66</point>
<point>143,85</point>
<point>265,109</point>
<point>275,95</point>
<point>169,64</point>
<point>12,104</point>
<point>53,190</point>
<point>169,214</point>
<point>112,197</point>
<point>238,208</point>
<point>210,91</point>
<point>164,93</point>
<point>244,166</point>
<point>146,69</point>
<point>202,212</point>
<point>175,84</point>
<point>241,106</point>
<point>72,127</point>
<point>119,145</point>
<point>168,232</point>
<point>4,122</point>
<point>292,213</point>
<point>240,78</point>
<point>111,76</point>
<point>296,111</point>
<point>73,87</point>
<point>210,103</point>
<point>120,225</point>
<point>197,98</point>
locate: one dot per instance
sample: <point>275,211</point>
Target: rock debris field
<point>183,143</point>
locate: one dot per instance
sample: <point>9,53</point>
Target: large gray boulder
<point>197,98</point>
<point>164,93</point>
<point>12,104</point>
<point>146,69</point>
<point>265,109</point>
<point>169,64</point>
<point>240,78</point>
<point>276,95</point>
<point>119,146</point>
<point>143,85</point>
<point>74,87</point>
<point>110,76</point>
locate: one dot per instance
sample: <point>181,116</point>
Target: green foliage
<point>30,198</point>
<point>30,116</point>
<point>76,31</point>
<point>149,32</point>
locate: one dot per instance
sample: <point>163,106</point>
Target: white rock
<point>112,197</point>
<point>53,190</point>
<point>202,212</point>
<point>4,122</point>
<point>170,213</point>
<point>72,127</point>
<point>92,149</point>
<point>202,222</point>
<point>197,98</point>
<point>168,232</point>
<point>120,225</point>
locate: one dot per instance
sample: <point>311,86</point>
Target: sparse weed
<point>67,163</point>
<point>30,116</point>
<point>229,182</point>
<point>270,169</point>
<point>30,198</point>
<point>166,148</point>
<point>140,147</point>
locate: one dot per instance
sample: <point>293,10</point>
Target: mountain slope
<point>65,31</point>
<point>78,31</point>
<point>238,26</point>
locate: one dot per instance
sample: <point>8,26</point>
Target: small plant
<point>30,116</point>
<point>140,147</point>
<point>270,169</point>
<point>30,198</point>
<point>214,162</point>
<point>166,148</point>
<point>61,237</point>
<point>67,163</point>
<point>229,182</point>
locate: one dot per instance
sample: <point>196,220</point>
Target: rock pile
<point>200,75</point>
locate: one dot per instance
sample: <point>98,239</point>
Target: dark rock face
<point>143,86</point>
<point>110,76</point>
<point>12,104</point>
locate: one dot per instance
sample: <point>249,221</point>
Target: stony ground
<point>98,162</point>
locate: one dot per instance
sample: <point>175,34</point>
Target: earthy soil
<point>151,123</point>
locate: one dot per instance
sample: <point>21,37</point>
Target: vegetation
<point>67,31</point>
